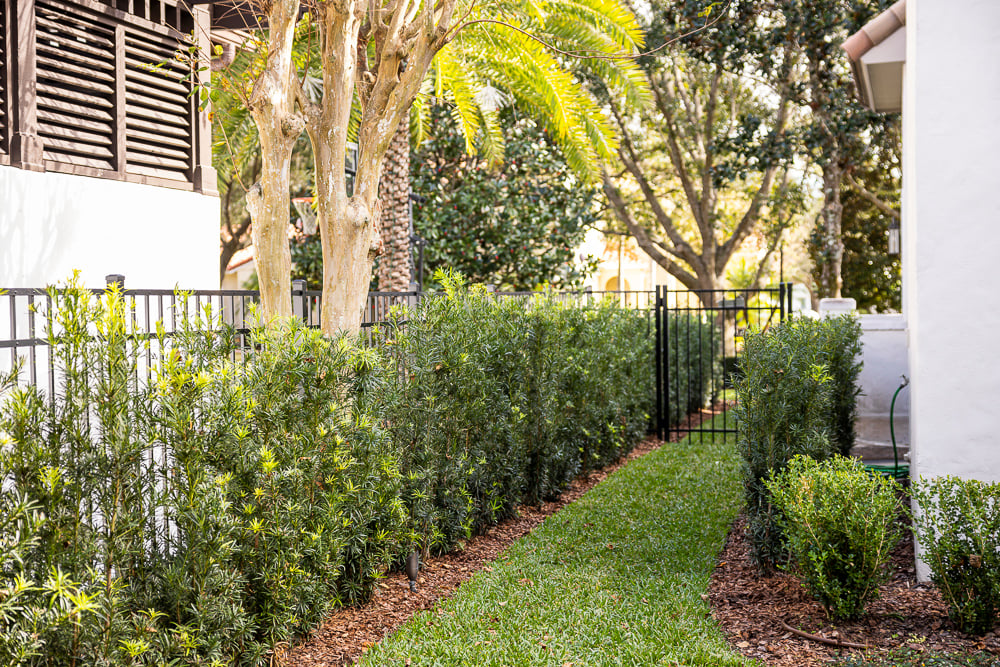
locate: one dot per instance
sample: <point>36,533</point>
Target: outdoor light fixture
<point>894,237</point>
<point>412,568</point>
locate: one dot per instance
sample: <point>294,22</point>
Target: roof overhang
<point>238,15</point>
<point>877,53</point>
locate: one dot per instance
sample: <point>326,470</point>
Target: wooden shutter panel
<point>160,108</point>
<point>76,84</point>
<point>4,114</point>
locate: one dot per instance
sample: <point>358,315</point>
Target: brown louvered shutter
<point>160,108</point>
<point>76,84</point>
<point>4,114</point>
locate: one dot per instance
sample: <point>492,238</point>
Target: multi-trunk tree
<point>700,169</point>
<point>373,58</point>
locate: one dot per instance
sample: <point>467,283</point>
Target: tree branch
<point>873,198</point>
<point>642,238</point>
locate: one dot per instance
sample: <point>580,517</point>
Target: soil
<point>751,609</point>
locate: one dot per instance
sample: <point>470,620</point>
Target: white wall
<point>953,235</point>
<point>51,224</point>
<point>885,360</point>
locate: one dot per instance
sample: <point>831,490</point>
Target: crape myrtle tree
<point>515,224</point>
<point>373,60</point>
<point>700,169</point>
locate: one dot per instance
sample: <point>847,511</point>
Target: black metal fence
<point>157,315</point>
<point>699,339</point>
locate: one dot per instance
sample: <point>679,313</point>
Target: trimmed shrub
<point>784,399</point>
<point>958,526</point>
<point>215,511</point>
<point>839,340</point>
<point>838,522</point>
<point>213,514</point>
<point>692,360</point>
<point>506,400</point>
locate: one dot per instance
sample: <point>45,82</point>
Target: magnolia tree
<point>372,61</point>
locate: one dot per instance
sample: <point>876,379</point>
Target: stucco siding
<point>52,224</point>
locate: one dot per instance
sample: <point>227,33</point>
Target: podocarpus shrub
<point>958,522</point>
<point>691,362</point>
<point>838,521</point>
<point>505,400</point>
<point>839,342</point>
<point>214,512</point>
<point>784,399</point>
<point>30,610</point>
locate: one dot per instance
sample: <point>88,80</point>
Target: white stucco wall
<point>51,224</point>
<point>952,235</point>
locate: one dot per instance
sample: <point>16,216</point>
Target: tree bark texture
<point>830,281</point>
<point>395,263</point>
<point>272,107</point>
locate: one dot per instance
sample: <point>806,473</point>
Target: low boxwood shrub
<point>838,521</point>
<point>958,527</point>
<point>784,400</point>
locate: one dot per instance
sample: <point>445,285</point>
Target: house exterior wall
<point>51,224</point>
<point>885,360</point>
<point>951,235</point>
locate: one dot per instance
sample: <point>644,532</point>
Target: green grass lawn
<point>614,579</point>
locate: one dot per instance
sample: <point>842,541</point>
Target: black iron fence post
<point>658,304</point>
<point>299,306</point>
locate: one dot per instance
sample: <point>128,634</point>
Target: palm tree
<point>496,60</point>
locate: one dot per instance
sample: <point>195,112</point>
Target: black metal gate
<point>699,338</point>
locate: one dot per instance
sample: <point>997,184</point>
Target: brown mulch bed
<point>349,631</point>
<point>751,609</point>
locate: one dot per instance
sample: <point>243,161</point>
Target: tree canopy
<point>516,224</point>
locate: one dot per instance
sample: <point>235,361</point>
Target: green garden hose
<point>897,471</point>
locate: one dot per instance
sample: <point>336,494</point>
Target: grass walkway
<point>613,579</point>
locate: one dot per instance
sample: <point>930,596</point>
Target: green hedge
<point>797,393</point>
<point>958,526</point>
<point>691,361</point>
<point>210,515</point>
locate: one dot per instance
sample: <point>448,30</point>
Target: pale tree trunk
<point>394,269</point>
<point>346,224</point>
<point>831,243</point>
<point>272,106</point>
<point>406,39</point>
